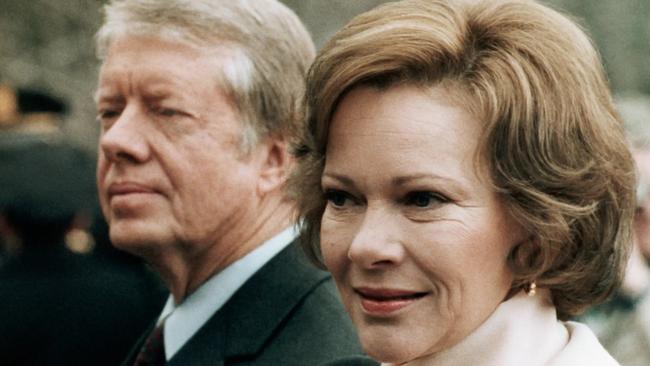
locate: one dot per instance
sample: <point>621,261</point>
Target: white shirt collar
<point>184,320</point>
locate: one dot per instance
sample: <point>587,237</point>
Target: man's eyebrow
<point>107,97</point>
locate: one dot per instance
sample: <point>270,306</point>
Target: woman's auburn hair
<point>552,140</point>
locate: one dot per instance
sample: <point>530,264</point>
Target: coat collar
<point>256,311</point>
<point>524,331</point>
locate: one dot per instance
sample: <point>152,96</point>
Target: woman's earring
<point>532,289</point>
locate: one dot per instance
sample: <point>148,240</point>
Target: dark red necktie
<point>152,352</point>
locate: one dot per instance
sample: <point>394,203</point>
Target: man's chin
<point>141,243</point>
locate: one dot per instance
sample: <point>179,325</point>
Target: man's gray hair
<point>268,51</point>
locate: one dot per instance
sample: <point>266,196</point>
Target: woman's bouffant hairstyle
<point>552,140</point>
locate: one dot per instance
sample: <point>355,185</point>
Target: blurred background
<point>48,45</point>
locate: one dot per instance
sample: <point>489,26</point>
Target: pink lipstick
<point>384,302</point>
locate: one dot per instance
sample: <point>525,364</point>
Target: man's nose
<point>125,139</point>
<point>377,243</point>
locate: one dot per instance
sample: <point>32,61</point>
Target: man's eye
<point>107,114</point>
<point>424,199</point>
<point>166,112</point>
<point>338,198</point>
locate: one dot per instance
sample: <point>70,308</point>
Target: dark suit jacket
<point>60,308</point>
<point>288,313</point>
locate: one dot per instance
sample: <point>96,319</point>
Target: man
<point>197,102</point>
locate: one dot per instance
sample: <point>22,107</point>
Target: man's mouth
<point>125,188</point>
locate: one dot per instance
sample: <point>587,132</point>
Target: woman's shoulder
<point>583,348</point>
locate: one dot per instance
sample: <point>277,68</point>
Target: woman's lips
<point>384,302</point>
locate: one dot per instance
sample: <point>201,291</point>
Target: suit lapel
<point>264,302</point>
<point>253,315</point>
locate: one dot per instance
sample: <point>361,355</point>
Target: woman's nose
<point>377,243</point>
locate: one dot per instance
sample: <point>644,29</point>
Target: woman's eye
<point>424,199</point>
<point>337,198</point>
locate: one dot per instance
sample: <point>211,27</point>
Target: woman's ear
<point>275,165</point>
<point>526,256</point>
<point>525,261</point>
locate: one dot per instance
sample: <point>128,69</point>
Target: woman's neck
<point>522,331</point>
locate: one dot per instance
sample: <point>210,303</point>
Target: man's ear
<point>275,165</point>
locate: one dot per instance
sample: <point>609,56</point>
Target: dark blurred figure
<point>59,307</point>
<point>8,107</point>
<point>26,113</point>
<point>28,117</point>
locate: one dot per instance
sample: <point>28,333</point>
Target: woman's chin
<point>389,352</point>
<point>395,341</point>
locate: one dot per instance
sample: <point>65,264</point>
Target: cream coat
<point>524,331</point>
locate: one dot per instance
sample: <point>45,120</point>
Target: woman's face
<point>414,236</point>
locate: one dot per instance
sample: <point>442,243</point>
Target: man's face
<point>171,174</point>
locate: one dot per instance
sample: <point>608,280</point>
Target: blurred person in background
<point>465,177</point>
<point>8,107</point>
<point>28,117</point>
<point>29,112</point>
<point>60,307</point>
<point>197,102</point>
<point>622,324</point>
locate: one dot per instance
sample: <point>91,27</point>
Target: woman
<point>465,178</point>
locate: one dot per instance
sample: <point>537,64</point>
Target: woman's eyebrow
<point>345,180</point>
<point>408,178</point>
